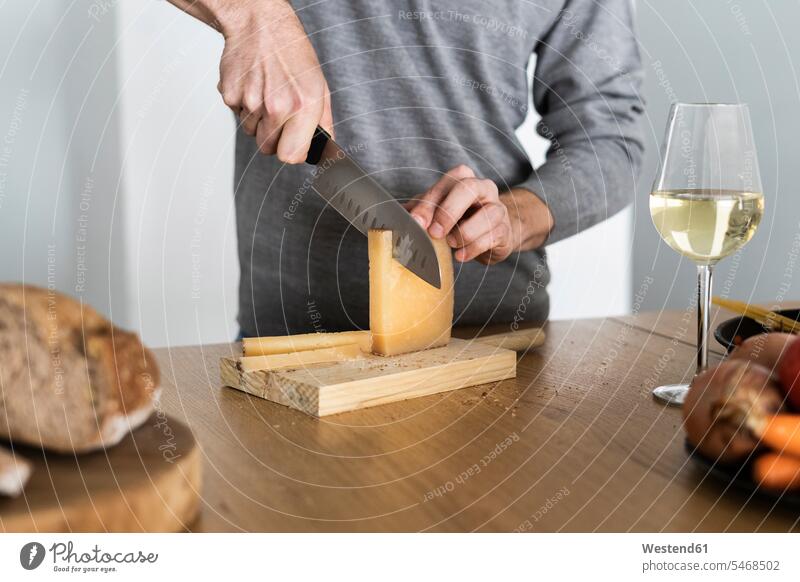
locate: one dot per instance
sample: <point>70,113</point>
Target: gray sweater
<point>418,87</point>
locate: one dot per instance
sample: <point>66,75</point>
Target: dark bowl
<point>737,478</point>
<point>732,332</point>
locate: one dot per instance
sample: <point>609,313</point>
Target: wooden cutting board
<point>149,482</point>
<point>330,388</point>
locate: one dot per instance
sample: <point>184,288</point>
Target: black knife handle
<point>318,143</point>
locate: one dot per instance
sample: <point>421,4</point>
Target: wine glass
<point>706,200</point>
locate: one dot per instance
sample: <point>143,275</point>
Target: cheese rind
<point>407,314</point>
<point>284,344</point>
<point>300,359</point>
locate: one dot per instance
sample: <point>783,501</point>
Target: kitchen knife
<point>365,204</point>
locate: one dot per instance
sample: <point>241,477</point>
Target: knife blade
<point>349,190</point>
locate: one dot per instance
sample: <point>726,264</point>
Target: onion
<point>765,349</point>
<point>723,406</point>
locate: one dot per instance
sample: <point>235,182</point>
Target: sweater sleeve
<point>586,88</point>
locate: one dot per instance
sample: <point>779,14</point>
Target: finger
<point>278,107</point>
<point>267,136</point>
<point>232,97</point>
<point>490,257</point>
<point>249,120</point>
<point>455,204</point>
<point>230,88</point>
<point>494,240</point>
<point>494,255</point>
<point>422,207</point>
<point>411,202</point>
<point>484,220</point>
<point>301,102</point>
<point>252,102</point>
<point>425,206</point>
<point>236,110</point>
<point>296,136</point>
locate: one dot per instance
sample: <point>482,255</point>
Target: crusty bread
<point>69,380</point>
<point>14,473</point>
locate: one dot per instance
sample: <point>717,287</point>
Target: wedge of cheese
<point>300,359</point>
<point>284,344</point>
<point>407,314</point>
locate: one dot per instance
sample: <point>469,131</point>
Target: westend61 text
<point>673,549</point>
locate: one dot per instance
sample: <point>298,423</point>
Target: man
<point>426,95</point>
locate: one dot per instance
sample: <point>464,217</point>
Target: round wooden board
<point>149,482</point>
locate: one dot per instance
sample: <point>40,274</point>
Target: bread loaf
<point>70,381</point>
<point>14,473</point>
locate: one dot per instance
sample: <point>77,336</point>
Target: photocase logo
<point>31,555</point>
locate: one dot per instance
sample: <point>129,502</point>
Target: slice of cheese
<point>407,314</point>
<point>284,344</point>
<point>300,359</point>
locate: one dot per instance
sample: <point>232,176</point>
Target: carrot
<point>778,472</point>
<point>781,432</point>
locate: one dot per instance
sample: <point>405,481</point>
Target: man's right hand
<point>269,73</point>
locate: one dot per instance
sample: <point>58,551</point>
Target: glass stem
<point>703,305</point>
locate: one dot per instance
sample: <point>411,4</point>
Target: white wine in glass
<point>706,201</point>
<point>706,225</point>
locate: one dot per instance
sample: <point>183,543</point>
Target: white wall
<point>59,153</point>
<point>180,253</point>
<point>592,271</point>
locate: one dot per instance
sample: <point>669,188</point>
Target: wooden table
<point>574,443</point>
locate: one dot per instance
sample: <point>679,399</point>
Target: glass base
<point>672,394</point>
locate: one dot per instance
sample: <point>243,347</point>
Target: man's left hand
<point>478,221</point>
